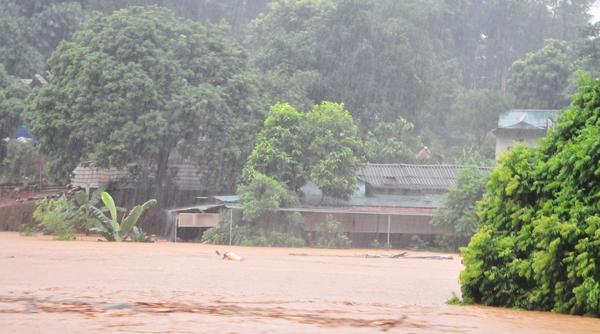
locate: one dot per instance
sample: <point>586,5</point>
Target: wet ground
<point>87,286</point>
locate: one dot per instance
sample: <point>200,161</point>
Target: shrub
<point>57,216</point>
<point>27,231</point>
<point>331,235</point>
<point>278,239</point>
<point>418,244</point>
<point>458,208</point>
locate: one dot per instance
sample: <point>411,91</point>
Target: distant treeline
<point>442,70</point>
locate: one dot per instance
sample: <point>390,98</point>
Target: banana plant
<point>110,228</point>
<point>137,235</point>
<point>86,201</point>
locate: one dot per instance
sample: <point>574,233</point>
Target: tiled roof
<point>187,175</point>
<point>411,177</point>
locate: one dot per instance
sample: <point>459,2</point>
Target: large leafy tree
<point>540,80</point>
<point>320,145</point>
<point>334,150</point>
<point>134,85</point>
<point>538,243</point>
<point>280,148</point>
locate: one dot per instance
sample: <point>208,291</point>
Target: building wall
<point>376,223</point>
<point>505,141</point>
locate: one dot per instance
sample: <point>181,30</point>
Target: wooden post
<point>230,224</point>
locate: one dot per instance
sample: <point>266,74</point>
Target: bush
<point>27,231</point>
<point>245,233</point>
<point>331,235</point>
<point>458,208</point>
<point>418,244</point>
<point>538,244</point>
<point>278,239</point>
<point>57,216</point>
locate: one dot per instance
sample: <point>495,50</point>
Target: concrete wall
<point>506,141</point>
<point>376,223</point>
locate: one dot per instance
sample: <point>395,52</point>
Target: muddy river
<point>87,286</point>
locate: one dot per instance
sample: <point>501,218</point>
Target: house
<point>186,180</point>
<point>393,203</point>
<point>522,126</point>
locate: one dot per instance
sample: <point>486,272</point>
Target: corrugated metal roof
<point>532,118</point>
<point>411,177</point>
<point>388,211</point>
<point>228,199</point>
<point>199,208</point>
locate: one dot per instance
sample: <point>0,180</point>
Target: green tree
<point>263,196</point>
<point>280,148</point>
<point>475,115</point>
<point>236,13</point>
<point>140,83</point>
<point>378,63</point>
<point>537,244</point>
<point>321,145</point>
<point>587,49</point>
<point>458,208</point>
<point>12,95</point>
<point>540,80</point>
<point>334,150</point>
<point>20,161</point>
<point>31,30</point>
<point>393,143</point>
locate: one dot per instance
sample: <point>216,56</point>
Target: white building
<point>522,126</point>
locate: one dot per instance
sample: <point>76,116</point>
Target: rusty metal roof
<point>411,177</point>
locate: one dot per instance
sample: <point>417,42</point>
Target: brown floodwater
<point>87,286</point>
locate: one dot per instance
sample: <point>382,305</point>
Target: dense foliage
<point>330,234</point>
<point>135,85</point>
<point>110,227</point>
<point>64,217</point>
<point>541,80</point>
<point>320,145</point>
<point>458,207</point>
<point>12,95</point>
<point>58,217</point>
<point>22,162</point>
<point>538,243</point>
<point>142,83</point>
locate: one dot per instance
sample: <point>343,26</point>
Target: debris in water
<point>230,256</point>
<point>404,255</point>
